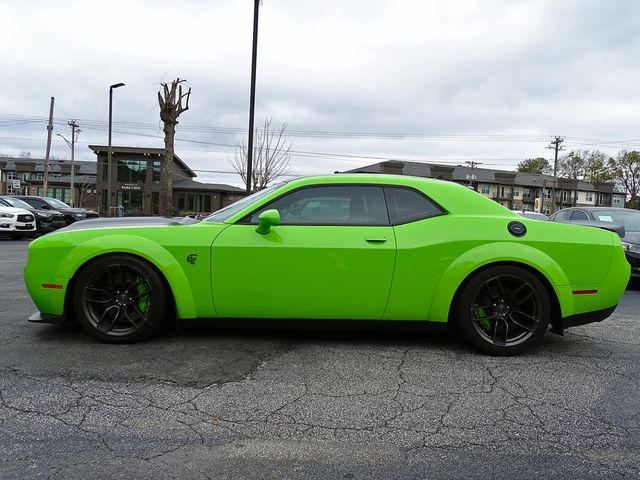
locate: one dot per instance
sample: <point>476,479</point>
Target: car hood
<point>74,210</point>
<point>128,222</point>
<point>14,211</point>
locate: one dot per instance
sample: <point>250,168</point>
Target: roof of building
<point>143,151</point>
<point>188,184</point>
<point>462,173</point>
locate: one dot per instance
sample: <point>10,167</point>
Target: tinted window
<point>36,203</point>
<point>407,205</point>
<point>335,205</point>
<point>579,215</point>
<point>562,215</point>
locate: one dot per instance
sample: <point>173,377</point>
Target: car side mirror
<point>268,219</point>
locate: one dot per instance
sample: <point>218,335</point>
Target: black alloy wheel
<point>503,310</point>
<point>120,299</point>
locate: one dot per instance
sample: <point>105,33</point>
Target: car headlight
<point>79,215</point>
<point>6,215</point>
<point>631,247</point>
<point>43,214</point>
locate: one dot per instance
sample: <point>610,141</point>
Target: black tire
<point>120,299</point>
<point>503,310</point>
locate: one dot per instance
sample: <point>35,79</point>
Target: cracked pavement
<point>210,403</point>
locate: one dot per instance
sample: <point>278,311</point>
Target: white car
<point>16,222</point>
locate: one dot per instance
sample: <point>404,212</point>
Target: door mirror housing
<point>268,219</point>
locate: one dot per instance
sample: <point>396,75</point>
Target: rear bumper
<point>38,317</point>
<point>589,317</point>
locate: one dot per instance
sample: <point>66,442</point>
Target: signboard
<point>131,186</point>
<point>16,184</point>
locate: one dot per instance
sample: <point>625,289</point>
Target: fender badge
<point>192,258</point>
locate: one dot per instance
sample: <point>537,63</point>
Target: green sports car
<point>342,247</point>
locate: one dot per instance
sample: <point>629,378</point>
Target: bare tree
<point>170,99</point>
<point>626,166</point>
<point>271,156</point>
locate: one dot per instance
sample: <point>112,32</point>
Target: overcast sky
<point>355,81</point>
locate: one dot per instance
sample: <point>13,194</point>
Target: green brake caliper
<point>483,319</point>
<point>144,302</point>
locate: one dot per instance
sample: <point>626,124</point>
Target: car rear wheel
<point>503,310</point>
<point>120,299</point>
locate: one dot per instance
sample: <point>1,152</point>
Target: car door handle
<point>376,239</point>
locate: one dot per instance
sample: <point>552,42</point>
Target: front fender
<point>489,253</point>
<point>151,251</point>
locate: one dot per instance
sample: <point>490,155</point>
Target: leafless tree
<point>271,156</point>
<point>170,99</point>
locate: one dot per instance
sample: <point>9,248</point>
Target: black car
<point>48,203</point>
<point>46,220</point>
<point>627,217</point>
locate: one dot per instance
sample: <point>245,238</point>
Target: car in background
<point>16,222</point>
<point>532,215</point>
<point>46,220</point>
<point>344,247</point>
<point>603,216</point>
<point>53,204</point>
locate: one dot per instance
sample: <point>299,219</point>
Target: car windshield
<point>630,218</point>
<point>56,203</point>
<point>230,210</point>
<point>17,203</point>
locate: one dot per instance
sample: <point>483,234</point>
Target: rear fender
<point>498,252</point>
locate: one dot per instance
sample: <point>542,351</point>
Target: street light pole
<point>111,87</point>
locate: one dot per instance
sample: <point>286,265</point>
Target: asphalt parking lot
<point>210,403</point>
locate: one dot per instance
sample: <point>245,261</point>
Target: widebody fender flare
<point>142,247</point>
<point>498,252</point>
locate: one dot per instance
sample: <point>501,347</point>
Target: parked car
<point>16,222</point>
<point>532,215</point>
<point>46,220</point>
<point>53,204</point>
<point>349,247</point>
<point>627,217</point>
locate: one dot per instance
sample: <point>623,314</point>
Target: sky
<point>356,82</point>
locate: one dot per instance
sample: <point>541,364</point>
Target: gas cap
<point>517,229</point>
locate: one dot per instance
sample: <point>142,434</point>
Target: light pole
<point>252,100</point>
<point>111,87</point>
<point>75,130</point>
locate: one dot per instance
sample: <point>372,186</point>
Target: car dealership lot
<point>213,403</point>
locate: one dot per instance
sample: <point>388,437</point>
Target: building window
<point>155,178</point>
<point>132,171</point>
<point>155,203</point>
<point>589,196</point>
<point>11,175</point>
<point>484,189</point>
<point>516,193</point>
<point>131,202</point>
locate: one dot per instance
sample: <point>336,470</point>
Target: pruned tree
<point>572,166</point>
<point>170,99</point>
<point>535,165</point>
<point>626,166</point>
<point>597,168</point>
<point>271,156</point>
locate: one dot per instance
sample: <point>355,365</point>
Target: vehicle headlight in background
<point>43,214</point>
<point>631,247</point>
<point>79,215</point>
<point>7,215</point>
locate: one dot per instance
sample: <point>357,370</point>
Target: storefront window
<point>132,171</point>
<point>156,171</point>
<point>132,202</point>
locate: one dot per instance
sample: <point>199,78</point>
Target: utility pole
<point>555,145</point>
<point>75,130</point>
<point>252,100</point>
<point>46,156</point>
<point>472,177</point>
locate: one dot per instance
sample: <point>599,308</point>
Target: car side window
<point>330,205</point>
<point>563,215</point>
<point>579,215</point>
<point>406,205</point>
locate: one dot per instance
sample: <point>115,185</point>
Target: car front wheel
<point>503,310</point>
<point>120,299</point>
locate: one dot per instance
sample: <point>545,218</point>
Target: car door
<point>331,256</point>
